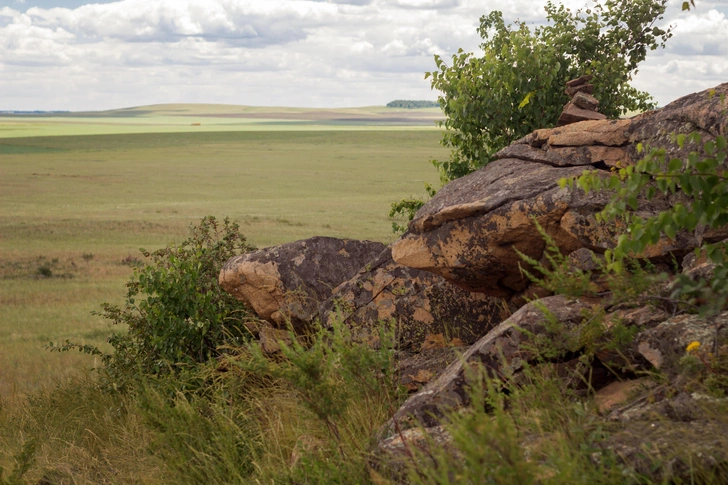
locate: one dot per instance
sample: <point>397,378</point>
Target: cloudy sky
<point>78,55</point>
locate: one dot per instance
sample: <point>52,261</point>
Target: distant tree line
<point>412,104</point>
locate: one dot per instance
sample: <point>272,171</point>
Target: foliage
<point>202,439</point>
<point>253,418</point>
<point>175,311</point>
<point>559,275</point>
<point>412,104</point>
<point>516,86</point>
<point>703,179</point>
<point>537,431</point>
<point>403,211</point>
<point>333,373</point>
<point>23,462</point>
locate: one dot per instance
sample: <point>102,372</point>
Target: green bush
<point>517,85</point>
<point>703,179</point>
<point>175,311</point>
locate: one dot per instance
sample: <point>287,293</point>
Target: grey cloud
<point>346,2</point>
<point>427,4</point>
<point>227,22</point>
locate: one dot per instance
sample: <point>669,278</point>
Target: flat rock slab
<point>425,306</point>
<point>285,284</point>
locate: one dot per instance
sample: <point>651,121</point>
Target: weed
<point>23,462</point>
<point>44,270</point>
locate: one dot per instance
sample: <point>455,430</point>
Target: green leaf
<point>526,100</point>
<point>675,165</point>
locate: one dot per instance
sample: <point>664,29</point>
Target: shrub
<point>703,179</point>
<point>175,311</point>
<point>517,85</point>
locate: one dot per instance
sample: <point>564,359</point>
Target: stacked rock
<point>583,106</point>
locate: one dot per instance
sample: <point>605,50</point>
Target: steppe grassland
<point>73,207</point>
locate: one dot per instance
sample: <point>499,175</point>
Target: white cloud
<point>287,52</point>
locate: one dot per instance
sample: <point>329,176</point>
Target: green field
<point>186,118</point>
<point>73,207</point>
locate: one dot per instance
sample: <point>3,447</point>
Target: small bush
<point>175,311</point>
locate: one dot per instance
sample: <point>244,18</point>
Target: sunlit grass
<point>82,204</point>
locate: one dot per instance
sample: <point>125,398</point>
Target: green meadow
<point>80,195</point>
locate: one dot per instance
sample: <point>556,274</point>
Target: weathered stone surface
<point>286,283</point>
<point>579,81</point>
<point>697,268</point>
<point>618,392</point>
<point>424,305</point>
<point>701,112</point>
<point>416,369</point>
<point>598,132</point>
<point>671,451</point>
<point>585,101</point>
<point>471,231</point>
<point>574,114</point>
<point>397,452</point>
<point>501,183</point>
<point>584,88</point>
<point>502,352</point>
<point>566,156</point>
<point>665,344</point>
<point>585,260</point>
<point>270,339</point>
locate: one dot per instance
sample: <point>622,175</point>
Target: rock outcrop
<point>427,309</point>
<point>502,354</point>
<point>635,409</point>
<point>472,230</point>
<point>286,283</point>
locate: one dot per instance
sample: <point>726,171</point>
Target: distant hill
<point>412,104</point>
<point>34,112</point>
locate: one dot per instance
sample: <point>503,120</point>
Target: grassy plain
<point>73,207</point>
<point>205,118</point>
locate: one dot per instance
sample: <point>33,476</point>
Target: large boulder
<point>427,309</point>
<point>472,231</point>
<point>285,284</point>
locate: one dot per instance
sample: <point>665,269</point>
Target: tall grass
<point>255,420</point>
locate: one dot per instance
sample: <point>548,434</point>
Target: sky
<point>77,55</point>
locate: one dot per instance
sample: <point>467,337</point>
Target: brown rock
<point>566,156</point>
<point>701,112</point>
<point>286,283</point>
<point>579,81</point>
<point>598,132</point>
<point>584,88</point>
<point>472,230</point>
<point>414,369</point>
<point>665,344</point>
<point>573,114</point>
<point>697,268</point>
<point>271,339</point>
<point>397,452</point>
<point>617,393</point>
<point>585,101</point>
<point>423,305</point>
<point>585,260</point>
<point>502,353</point>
